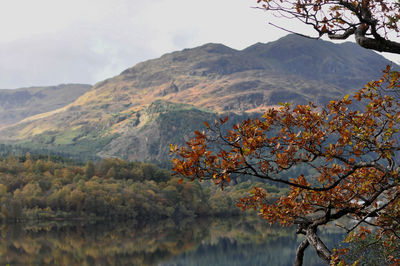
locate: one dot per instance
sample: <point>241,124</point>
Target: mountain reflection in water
<point>237,241</point>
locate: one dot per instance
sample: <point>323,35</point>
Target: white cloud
<point>46,42</point>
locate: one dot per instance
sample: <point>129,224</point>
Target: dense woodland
<point>37,187</point>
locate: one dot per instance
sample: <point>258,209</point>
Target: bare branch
<point>299,34</point>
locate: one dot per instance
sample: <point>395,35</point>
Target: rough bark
<point>300,252</point>
<point>381,45</point>
<point>378,43</point>
<point>322,251</point>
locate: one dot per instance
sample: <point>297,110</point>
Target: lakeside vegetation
<point>38,188</point>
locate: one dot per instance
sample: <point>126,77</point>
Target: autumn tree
<point>89,169</point>
<point>372,22</point>
<point>351,155</point>
<point>348,154</point>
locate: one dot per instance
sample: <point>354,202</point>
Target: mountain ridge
<point>117,116</point>
<point>18,104</point>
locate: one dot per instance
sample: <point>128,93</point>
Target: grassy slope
<point>137,114</point>
<point>15,105</point>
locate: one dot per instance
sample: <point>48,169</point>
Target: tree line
<point>37,188</point>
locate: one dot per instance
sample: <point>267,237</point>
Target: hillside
<point>137,114</point>
<point>15,105</point>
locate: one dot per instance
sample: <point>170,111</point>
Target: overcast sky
<point>48,42</point>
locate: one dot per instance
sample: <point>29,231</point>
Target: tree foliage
<point>351,155</point>
<point>42,189</point>
<point>370,21</point>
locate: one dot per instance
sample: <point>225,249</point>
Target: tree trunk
<point>300,252</point>
<point>323,252</point>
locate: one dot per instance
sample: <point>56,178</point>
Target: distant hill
<point>137,114</point>
<point>15,105</point>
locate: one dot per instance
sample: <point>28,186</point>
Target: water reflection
<point>236,241</point>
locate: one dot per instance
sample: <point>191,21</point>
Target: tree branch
<point>323,252</point>
<point>300,252</point>
<point>342,36</point>
<point>380,45</point>
<point>302,35</point>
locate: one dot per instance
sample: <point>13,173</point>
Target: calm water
<point>189,242</point>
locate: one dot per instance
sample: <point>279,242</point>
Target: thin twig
<point>303,35</point>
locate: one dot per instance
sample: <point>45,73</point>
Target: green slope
<point>137,114</point>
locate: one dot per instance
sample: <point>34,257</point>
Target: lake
<point>234,241</point>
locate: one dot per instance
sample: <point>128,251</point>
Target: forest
<point>36,187</point>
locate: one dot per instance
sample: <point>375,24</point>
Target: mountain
<point>137,114</point>
<point>345,65</point>
<point>15,105</point>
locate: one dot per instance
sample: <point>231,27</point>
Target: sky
<point>50,42</point>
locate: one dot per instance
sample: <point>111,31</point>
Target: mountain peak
<point>342,64</point>
<point>140,112</point>
<point>216,48</point>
